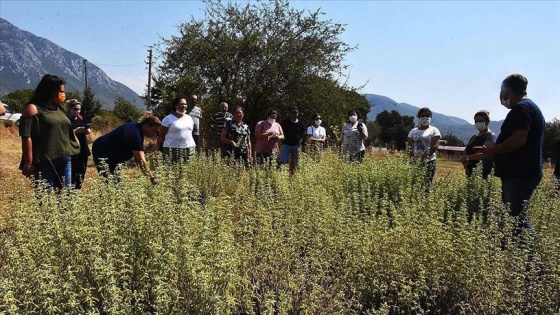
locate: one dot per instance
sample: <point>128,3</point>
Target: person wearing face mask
<point>423,142</point>
<point>518,150</point>
<point>48,140</point>
<point>237,136</point>
<point>79,161</point>
<point>316,135</point>
<point>294,133</point>
<point>176,133</point>
<point>267,134</point>
<point>484,137</point>
<point>352,137</point>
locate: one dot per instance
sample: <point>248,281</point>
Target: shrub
<point>335,238</point>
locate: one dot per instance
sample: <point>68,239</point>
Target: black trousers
<point>79,167</point>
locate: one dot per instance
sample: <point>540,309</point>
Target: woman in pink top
<point>267,134</point>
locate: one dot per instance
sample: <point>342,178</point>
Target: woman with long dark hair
<point>47,137</point>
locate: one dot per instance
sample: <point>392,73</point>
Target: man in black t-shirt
<point>518,150</point>
<point>294,133</point>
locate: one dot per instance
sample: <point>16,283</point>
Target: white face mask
<point>353,118</point>
<point>506,103</point>
<point>480,126</point>
<point>271,121</point>
<point>180,112</point>
<point>425,121</point>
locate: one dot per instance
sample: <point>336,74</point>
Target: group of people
<point>54,143</point>
<point>515,154</point>
<point>232,136</point>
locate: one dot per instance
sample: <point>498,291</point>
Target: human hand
<point>28,170</point>
<point>480,149</point>
<point>83,130</point>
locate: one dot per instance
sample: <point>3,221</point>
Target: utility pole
<point>85,71</point>
<point>149,96</point>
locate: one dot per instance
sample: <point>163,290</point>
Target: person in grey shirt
<point>196,113</point>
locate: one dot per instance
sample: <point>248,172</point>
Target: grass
<point>335,238</point>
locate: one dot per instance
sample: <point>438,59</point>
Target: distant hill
<point>26,58</point>
<point>457,126</point>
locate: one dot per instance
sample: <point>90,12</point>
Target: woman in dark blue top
<point>123,143</point>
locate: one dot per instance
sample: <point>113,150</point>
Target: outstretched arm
<point>140,159</point>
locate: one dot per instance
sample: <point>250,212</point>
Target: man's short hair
<point>516,83</point>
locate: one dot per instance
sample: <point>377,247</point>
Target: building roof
<point>450,148</point>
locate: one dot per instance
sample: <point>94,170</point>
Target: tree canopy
<point>259,55</point>
<point>551,138</point>
<point>126,111</point>
<point>453,140</point>
<point>91,106</point>
<point>394,128</point>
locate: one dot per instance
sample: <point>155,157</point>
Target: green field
<point>335,238</point>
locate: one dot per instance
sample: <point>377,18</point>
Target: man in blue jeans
<point>294,133</point>
<point>518,150</point>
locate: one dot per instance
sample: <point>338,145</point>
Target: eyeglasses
<point>182,103</point>
<point>318,118</point>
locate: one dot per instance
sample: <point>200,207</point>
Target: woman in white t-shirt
<point>316,136</point>
<point>423,142</point>
<point>175,134</point>
<point>352,137</point>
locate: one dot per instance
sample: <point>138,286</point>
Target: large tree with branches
<point>260,55</point>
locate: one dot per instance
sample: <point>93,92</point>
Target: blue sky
<point>448,55</point>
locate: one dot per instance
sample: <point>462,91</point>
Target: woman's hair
<point>149,119</point>
<point>354,111</point>
<point>271,112</point>
<point>45,91</point>
<point>239,107</point>
<point>424,110</point>
<point>177,100</point>
<point>174,102</point>
<point>71,103</point>
<point>315,116</point>
<point>484,114</point>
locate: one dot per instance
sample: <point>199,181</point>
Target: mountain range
<point>26,58</point>
<point>446,124</point>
